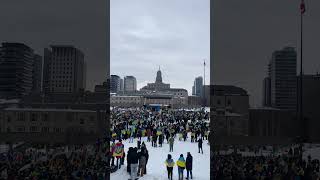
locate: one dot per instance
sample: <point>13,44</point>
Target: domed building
<point>159,89</point>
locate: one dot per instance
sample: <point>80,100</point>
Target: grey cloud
<point>172,34</point>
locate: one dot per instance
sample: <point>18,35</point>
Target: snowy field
<point>313,150</point>
<point>156,169</point>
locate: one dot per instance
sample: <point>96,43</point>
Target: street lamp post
<point>204,83</point>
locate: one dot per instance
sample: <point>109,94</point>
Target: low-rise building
<point>267,121</point>
<point>126,101</point>
<point>230,111</point>
<point>46,125</point>
<point>194,101</point>
<point>49,120</point>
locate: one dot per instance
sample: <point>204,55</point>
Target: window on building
<point>45,129</point>
<point>57,130</point>
<point>231,124</point>
<point>20,129</point>
<point>21,116</point>
<point>33,117</point>
<point>33,128</point>
<point>221,124</point>
<point>92,118</point>
<point>45,117</point>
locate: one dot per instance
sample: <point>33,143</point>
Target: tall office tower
<point>198,86</point>
<point>121,85</point>
<point>266,92</point>
<point>283,73</point>
<point>130,83</point>
<point>20,70</point>
<point>193,93</point>
<point>37,74</point>
<point>114,84</point>
<point>64,69</point>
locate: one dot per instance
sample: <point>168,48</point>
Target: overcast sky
<point>40,23</point>
<point>246,33</point>
<point>172,34</point>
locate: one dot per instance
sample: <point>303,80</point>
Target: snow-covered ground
<point>156,169</point>
<point>313,150</point>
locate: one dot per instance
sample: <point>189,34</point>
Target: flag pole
<point>301,68</point>
<point>204,83</point>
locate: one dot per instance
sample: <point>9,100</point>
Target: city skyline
<point>38,24</point>
<point>143,37</point>
<point>142,85</point>
<point>244,40</point>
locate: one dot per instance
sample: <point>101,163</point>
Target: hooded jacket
<point>189,162</point>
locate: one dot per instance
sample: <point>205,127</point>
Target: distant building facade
<point>20,70</point>
<point>101,88</point>
<point>48,120</point>
<point>130,83</point>
<point>64,69</point>
<point>230,111</point>
<point>311,98</point>
<point>121,85</point>
<point>114,83</point>
<point>45,125</point>
<point>268,121</point>
<point>194,101</point>
<point>37,74</point>
<point>283,85</point>
<point>126,101</point>
<point>179,95</point>
<point>163,99</point>
<point>158,85</point>
<point>266,92</point>
<point>198,86</point>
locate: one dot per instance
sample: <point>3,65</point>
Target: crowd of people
<point>286,166</point>
<point>95,161</point>
<point>157,128</point>
<point>160,126</point>
<point>80,162</point>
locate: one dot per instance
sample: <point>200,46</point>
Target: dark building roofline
<point>62,46</point>
<point>228,90</point>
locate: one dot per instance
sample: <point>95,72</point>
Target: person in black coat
<point>142,156</point>
<point>123,158</point>
<point>160,140</point>
<point>154,140</point>
<point>189,165</point>
<point>134,159</point>
<point>129,157</point>
<point>147,156</point>
<point>139,144</point>
<point>200,145</point>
